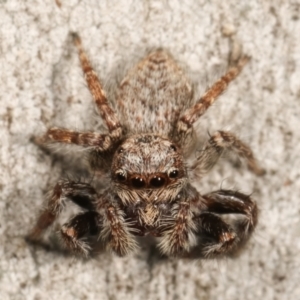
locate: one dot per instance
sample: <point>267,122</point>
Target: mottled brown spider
<point>144,153</point>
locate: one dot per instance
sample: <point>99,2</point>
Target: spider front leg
<point>178,231</point>
<point>74,232</point>
<point>215,236</point>
<point>107,222</point>
<point>117,233</point>
<point>103,217</point>
<point>233,202</point>
<point>216,145</point>
<point>82,194</point>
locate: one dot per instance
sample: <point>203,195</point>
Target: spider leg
<point>227,238</point>
<point>191,115</point>
<point>108,223</point>
<point>94,85</point>
<point>116,231</point>
<point>81,194</point>
<point>178,232</point>
<point>233,202</point>
<point>74,231</point>
<point>176,239</point>
<point>216,237</point>
<point>216,145</point>
<point>86,139</point>
<point>102,217</point>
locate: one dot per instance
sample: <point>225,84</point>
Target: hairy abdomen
<point>153,94</point>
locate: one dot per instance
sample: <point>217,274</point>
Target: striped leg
<point>191,115</point>
<point>216,145</point>
<point>101,142</point>
<point>81,194</point>
<point>94,85</point>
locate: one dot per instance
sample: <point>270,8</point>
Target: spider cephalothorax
<point>148,174</point>
<point>144,154</point>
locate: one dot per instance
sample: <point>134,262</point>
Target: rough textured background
<point>42,85</point>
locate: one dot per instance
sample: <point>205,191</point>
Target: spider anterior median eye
<point>138,182</point>
<point>173,174</point>
<point>157,181</point>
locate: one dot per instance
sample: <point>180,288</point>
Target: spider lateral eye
<point>138,182</point>
<point>157,181</point>
<point>120,176</point>
<point>173,174</point>
<point>173,147</point>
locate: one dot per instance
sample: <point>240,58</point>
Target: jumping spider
<point>146,146</point>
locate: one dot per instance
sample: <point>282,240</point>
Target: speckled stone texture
<point>42,85</point>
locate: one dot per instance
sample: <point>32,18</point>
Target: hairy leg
<point>101,142</point>
<point>216,145</point>
<point>233,202</point>
<point>116,232</point>
<point>215,237</point>
<point>191,115</point>
<point>75,232</point>
<point>110,226</point>
<point>103,217</point>
<point>177,240</point>
<point>178,231</point>
<point>94,85</point>
<point>82,194</point>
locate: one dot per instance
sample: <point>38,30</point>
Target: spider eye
<point>120,150</point>
<point>157,181</point>
<point>120,176</point>
<point>138,182</point>
<point>173,147</point>
<point>173,174</point>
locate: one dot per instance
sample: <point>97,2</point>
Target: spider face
<point>148,162</point>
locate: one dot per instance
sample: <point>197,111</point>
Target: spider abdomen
<point>153,94</point>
